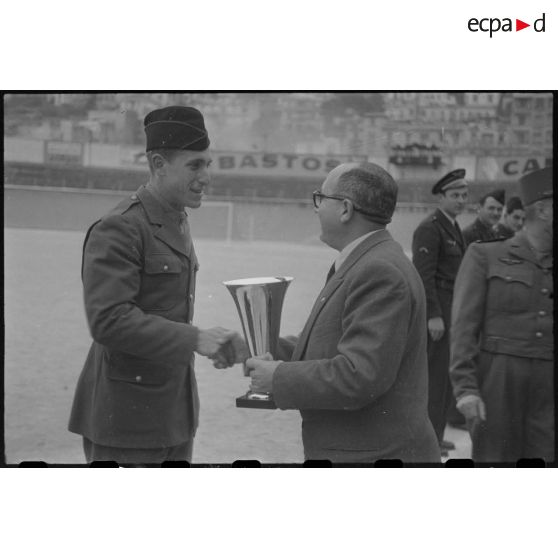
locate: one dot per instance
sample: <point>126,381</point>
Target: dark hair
<point>513,203</point>
<point>372,189</point>
<point>167,154</point>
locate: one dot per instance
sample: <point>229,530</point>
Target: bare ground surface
<point>47,340</point>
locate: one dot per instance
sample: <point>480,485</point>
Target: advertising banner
<point>512,168</point>
<point>64,153</point>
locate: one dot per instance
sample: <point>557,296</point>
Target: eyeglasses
<point>317,198</point>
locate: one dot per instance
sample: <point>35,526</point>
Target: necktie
<point>185,230</point>
<point>458,230</point>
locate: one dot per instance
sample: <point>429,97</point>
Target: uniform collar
<point>521,247</point>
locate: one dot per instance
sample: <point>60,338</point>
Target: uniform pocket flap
<point>162,263</point>
<point>136,370</point>
<point>511,274</point>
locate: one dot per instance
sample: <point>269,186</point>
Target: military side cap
<point>499,195</point>
<point>176,128</point>
<point>536,186</point>
<point>454,179</point>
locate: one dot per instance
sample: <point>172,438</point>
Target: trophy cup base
<point>248,401</point>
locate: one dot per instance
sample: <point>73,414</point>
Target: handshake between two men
<point>226,348</point>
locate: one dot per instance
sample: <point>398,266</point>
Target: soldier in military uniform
<point>489,213</point>
<point>512,220</point>
<point>438,247</point>
<point>502,347</point>
<point>136,400</point>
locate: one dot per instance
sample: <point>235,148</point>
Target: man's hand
<point>211,340</point>
<point>261,369</point>
<point>436,328</point>
<point>472,408</point>
<point>233,351</point>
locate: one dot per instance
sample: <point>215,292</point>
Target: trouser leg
<point>539,417</point>
<point>98,452</point>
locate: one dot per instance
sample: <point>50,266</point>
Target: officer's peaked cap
<point>176,128</point>
<point>536,186</point>
<point>454,179</point>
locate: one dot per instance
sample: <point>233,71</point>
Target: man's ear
<point>158,162</point>
<point>347,211</point>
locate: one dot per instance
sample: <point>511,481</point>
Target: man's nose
<point>204,177</point>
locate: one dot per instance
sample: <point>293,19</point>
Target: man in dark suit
<point>490,209</point>
<point>502,345</point>
<point>438,248</point>
<point>136,400</point>
<point>358,371</point>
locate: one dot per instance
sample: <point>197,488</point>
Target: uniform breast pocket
<point>164,282</point>
<point>510,288</point>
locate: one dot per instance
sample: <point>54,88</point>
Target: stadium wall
<point>272,220</point>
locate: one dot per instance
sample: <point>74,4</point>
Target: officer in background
<point>512,220</point>
<point>490,210</point>
<point>502,348</point>
<point>438,248</point>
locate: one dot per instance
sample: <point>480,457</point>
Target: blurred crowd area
<point>281,145</point>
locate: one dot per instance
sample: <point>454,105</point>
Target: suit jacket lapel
<point>333,284</point>
<point>167,232</point>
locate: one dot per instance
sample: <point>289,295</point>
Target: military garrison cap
<point>536,186</point>
<point>454,179</point>
<point>499,195</point>
<point>176,128</point>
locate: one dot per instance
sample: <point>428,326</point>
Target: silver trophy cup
<point>259,301</point>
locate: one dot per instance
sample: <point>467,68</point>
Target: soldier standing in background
<point>489,213</point>
<point>438,248</point>
<point>502,347</point>
<point>512,220</point>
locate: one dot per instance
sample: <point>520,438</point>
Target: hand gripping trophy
<point>259,301</point>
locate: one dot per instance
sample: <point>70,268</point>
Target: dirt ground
<point>47,340</point>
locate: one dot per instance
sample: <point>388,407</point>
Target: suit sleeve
<point>426,249</point>
<point>112,267</point>
<point>469,300</point>
<point>369,354</point>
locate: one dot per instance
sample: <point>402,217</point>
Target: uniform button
<point>138,378</point>
<point>508,278</point>
<point>544,291</point>
<point>134,197</point>
<point>191,297</point>
<point>322,299</point>
<point>538,334</point>
<point>165,267</point>
<point>542,313</point>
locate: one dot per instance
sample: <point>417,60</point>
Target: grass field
<point>47,340</point>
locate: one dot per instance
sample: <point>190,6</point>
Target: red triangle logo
<point>519,25</point>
